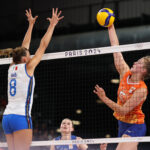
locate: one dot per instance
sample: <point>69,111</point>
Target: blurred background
<point>64,87</point>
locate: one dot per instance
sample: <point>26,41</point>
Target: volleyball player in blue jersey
<point>66,128</point>
<point>17,123</point>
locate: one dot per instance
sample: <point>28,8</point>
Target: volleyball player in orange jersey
<point>132,93</point>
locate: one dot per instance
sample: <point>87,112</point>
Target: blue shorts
<point>133,130</point>
<point>12,123</point>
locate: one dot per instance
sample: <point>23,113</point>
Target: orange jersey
<point>125,91</point>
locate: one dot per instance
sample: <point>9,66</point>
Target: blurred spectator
<point>52,134</point>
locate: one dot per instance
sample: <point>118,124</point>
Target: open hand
<point>99,92</point>
<point>30,18</point>
<point>55,17</point>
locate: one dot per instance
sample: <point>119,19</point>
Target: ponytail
<point>6,52</point>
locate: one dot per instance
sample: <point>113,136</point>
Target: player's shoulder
<point>17,66</point>
<point>125,75</point>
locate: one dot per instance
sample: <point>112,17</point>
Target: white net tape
<point>87,141</point>
<point>89,52</point>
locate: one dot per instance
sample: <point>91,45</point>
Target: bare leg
<point>127,146</point>
<point>23,139</point>
<point>10,141</point>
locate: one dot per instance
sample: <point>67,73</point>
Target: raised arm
<point>31,20</point>
<point>119,61</point>
<point>44,41</point>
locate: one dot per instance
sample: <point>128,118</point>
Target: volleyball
<point>105,17</point>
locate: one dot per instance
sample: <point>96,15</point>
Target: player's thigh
<point>127,146</point>
<point>10,141</point>
<point>23,139</point>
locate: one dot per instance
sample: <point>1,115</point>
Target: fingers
<point>53,12</point>
<point>49,19</point>
<point>27,13</point>
<point>97,87</point>
<point>61,18</point>
<point>30,11</point>
<point>95,91</point>
<point>56,11</point>
<point>29,16</point>
<point>55,15</point>
<point>59,13</point>
<point>35,17</point>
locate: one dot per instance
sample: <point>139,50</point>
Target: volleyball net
<point>64,89</point>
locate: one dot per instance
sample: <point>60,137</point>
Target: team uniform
<point>132,123</point>
<point>66,147</point>
<point>17,115</point>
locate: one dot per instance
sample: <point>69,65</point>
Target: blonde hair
<point>17,54</point>
<point>147,66</point>
<point>6,52</point>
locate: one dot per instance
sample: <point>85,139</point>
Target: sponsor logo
<point>13,75</point>
<point>132,89</point>
<point>82,52</point>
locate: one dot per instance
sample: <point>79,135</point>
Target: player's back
<point>20,90</point>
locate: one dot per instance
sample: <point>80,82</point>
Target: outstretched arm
<point>119,61</point>
<point>31,20</point>
<point>138,96</point>
<point>44,41</point>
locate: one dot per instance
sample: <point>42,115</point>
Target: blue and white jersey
<point>66,147</point>
<point>20,91</point>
